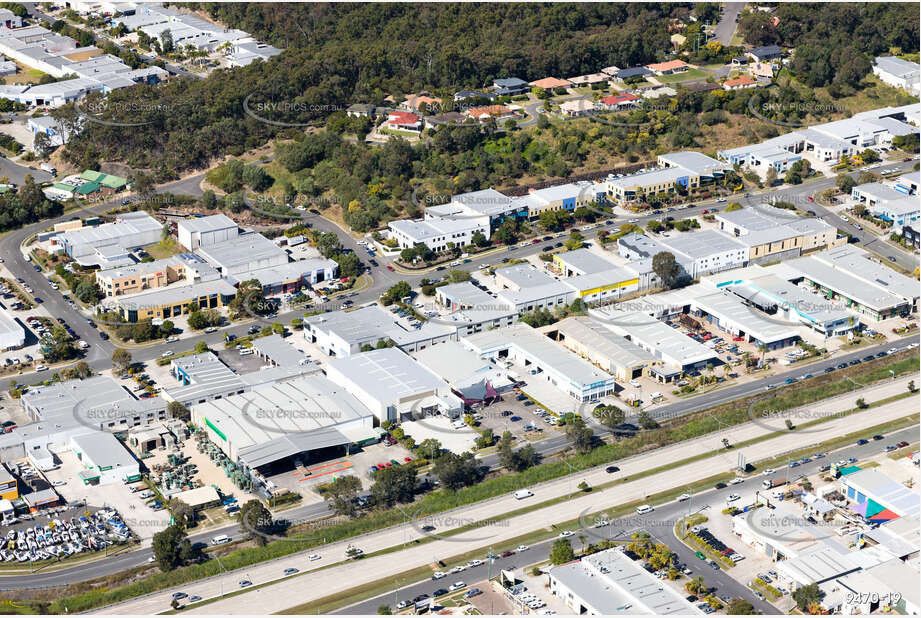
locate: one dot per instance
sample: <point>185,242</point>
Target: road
<point>622,529</point>
<point>329,575</point>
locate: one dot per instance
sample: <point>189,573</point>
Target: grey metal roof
<point>591,334</point>
<point>703,243</point>
<point>728,306</point>
<point>846,284</point>
<point>696,162</point>
<point>855,261</point>
<point>371,324</point>
<point>244,249</point>
<point>104,449</point>
<point>207,224</point>
<point>175,294</point>
<point>584,260</point>
<point>388,374</point>
<point>279,351</point>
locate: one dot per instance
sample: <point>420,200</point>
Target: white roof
<point>664,342</point>
<point>594,335</point>
<point>244,249</point>
<point>207,224</point>
<point>388,374</point>
<point>585,260</point>
<point>104,449</point>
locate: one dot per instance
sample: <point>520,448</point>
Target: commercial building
<point>187,268</point>
<point>676,352</point>
<point>310,419</point>
<point>871,487</point>
<point>543,360</point>
<point>609,583</point>
<point>188,30</point>
<point>890,203</point>
<point>174,300</point>
<point>784,301</point>
<point>898,73</point>
<point>698,253</point>
<point>205,231</point>
<point>526,288</point>
<point>90,246</point>
<point>471,377</point>
<point>773,234</point>
<point>579,262</point>
<point>292,276</point>
<point>484,203</point>
<point>908,183</point>
<point>9,486</point>
<point>105,460</point>
<point>437,233</point>
<point>278,352</point>
<point>393,385</point>
<point>605,285</point>
<point>244,53</point>
<point>601,346</point>
<point>472,309</point>
<point>345,333</point>
<point>690,170</point>
<point>12,334</point>
<point>734,316</point>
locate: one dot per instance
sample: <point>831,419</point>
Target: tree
<point>201,347</point>
<point>175,409</point>
<point>167,46</point>
<point>208,200</point>
<point>666,268</point>
<point>430,447</point>
<point>609,416</point>
<point>862,403</point>
<point>736,205</point>
<point>393,485</point>
<point>646,421</point>
<point>579,434</point>
<point>88,292</point>
<point>485,439</point>
<point>42,145</point>
<point>384,610</point>
<point>479,239</point>
<point>167,328</point>
<point>257,519</point>
<point>561,552</point>
<point>121,360</point>
<point>740,607</point>
<point>575,241</point>
<point>182,512</point>
<point>770,176</point>
<point>396,293</point>
<point>845,183</point>
<point>341,494</point>
<point>696,585</point>
<point>456,471</point>
<point>806,596</point>
<point>166,547</point>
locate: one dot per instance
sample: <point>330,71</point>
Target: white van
<point>642,510</point>
<point>247,351</point>
<point>521,494</point>
<point>458,424</point>
<point>220,539</point>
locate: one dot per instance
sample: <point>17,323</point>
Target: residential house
<point>551,83</point>
<point>739,83</point>
<point>421,102</point>
<point>617,102</point>
<point>510,86</point>
<point>633,73</point>
<point>762,71</point>
<point>577,108</point>
<point>610,71</point>
<point>588,80</point>
<point>765,54</point>
<point>365,110</point>
<point>499,112</point>
<point>668,68</point>
<point>464,95</point>
<point>403,121</point>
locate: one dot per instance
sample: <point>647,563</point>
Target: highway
<point>708,502</point>
<point>330,575</point>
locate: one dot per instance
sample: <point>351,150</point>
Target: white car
<point>172,339</point>
<point>166,354</point>
<point>522,548</point>
<point>456,586</point>
<point>684,497</point>
<point>41,368</point>
<point>635,384</point>
<point>737,480</point>
<point>459,568</point>
<point>313,557</point>
<point>438,575</point>
<point>769,471</point>
<point>732,498</point>
<point>565,534</point>
<point>59,483</point>
<point>642,510</point>
<point>211,329</point>
<point>474,563</point>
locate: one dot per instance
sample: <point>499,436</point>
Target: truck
<point>772,483</point>
<point>49,168</point>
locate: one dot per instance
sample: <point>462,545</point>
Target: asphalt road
<point>726,26</point>
<point>622,529</point>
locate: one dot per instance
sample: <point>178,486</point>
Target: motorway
<point>393,551</point>
<point>620,530</point>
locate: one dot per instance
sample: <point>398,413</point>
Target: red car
<point>902,444</point>
<point>506,554</point>
<point>810,198</point>
<point>705,211</point>
<point>389,267</point>
<point>407,459</point>
<point>738,338</point>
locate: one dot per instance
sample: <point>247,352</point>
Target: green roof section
<point>61,186</point>
<point>87,187</point>
<point>106,180</point>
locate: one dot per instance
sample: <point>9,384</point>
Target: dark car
<point>547,238</point>
<point>373,263</point>
<point>548,248</point>
<point>440,592</point>
<point>881,354</point>
<point>506,412</point>
<point>558,245</point>
<point>37,268</point>
<point>515,419</point>
<point>420,597</point>
<point>720,486</point>
<point>521,397</point>
<point>891,258</point>
<point>441,268</point>
<point>38,300</point>
<point>528,403</point>
<point>862,441</point>
<point>104,336</point>
<point>811,212</point>
<point>842,365</point>
<point>612,469</point>
<point>868,358</point>
<point>60,320</point>
<point>507,553</point>
<point>829,369</point>
<point>856,361</point>
<point>877,437</point>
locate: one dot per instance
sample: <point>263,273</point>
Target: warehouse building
<point>773,234</point>
<point>871,487</point>
<point>279,353</point>
<point>687,169</point>
<point>472,378</point>
<point>579,262</point>
<point>130,230</point>
<point>472,309</point>
<point>206,231</point>
<point>543,360</point>
<point>310,418</point>
<point>344,333</point>
<point>600,346</point>
<point>730,314</point>
<point>890,203</point>
<point>609,583</point>
<point>105,460</point>
<point>393,385</point>
<point>437,232</point>
<point>175,300</point>
<point>12,334</point>
<point>485,203</point>
<point>9,486</point>
<point>242,254</point>
<point>293,276</point>
<point>870,271</point>
<point>526,288</point>
<point>676,352</point>
<point>605,285</point>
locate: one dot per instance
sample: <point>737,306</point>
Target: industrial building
<point>601,346</point>
<point>898,73</point>
<point>526,288</point>
<point>291,277</point>
<point>136,278</point>
<point>393,385</point>
<point>472,309</point>
<point>12,334</point>
<point>309,418</point>
<point>605,285</point>
<point>773,234</point>
<point>105,460</point>
<point>543,360</point>
<point>96,246</point>
<point>174,300</point>
<point>687,169</point>
<point>471,377</point>
<point>436,232</point>
<point>344,333</point>
<point>891,203</point>
<point>579,262</point>
<point>609,583</point>
<point>674,350</point>
<point>698,253</point>
<point>240,255</point>
<point>205,231</point>
<point>871,487</point>
<point>732,315</point>
<point>9,486</point>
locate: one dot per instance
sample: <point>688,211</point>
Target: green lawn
<point>164,249</point>
<point>675,78</point>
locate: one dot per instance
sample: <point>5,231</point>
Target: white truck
<point>49,168</point>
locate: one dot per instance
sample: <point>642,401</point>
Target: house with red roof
<point>403,121</point>
<point>743,81</point>
<point>667,68</point>
<point>499,112</point>
<point>615,102</point>
<point>551,83</point>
